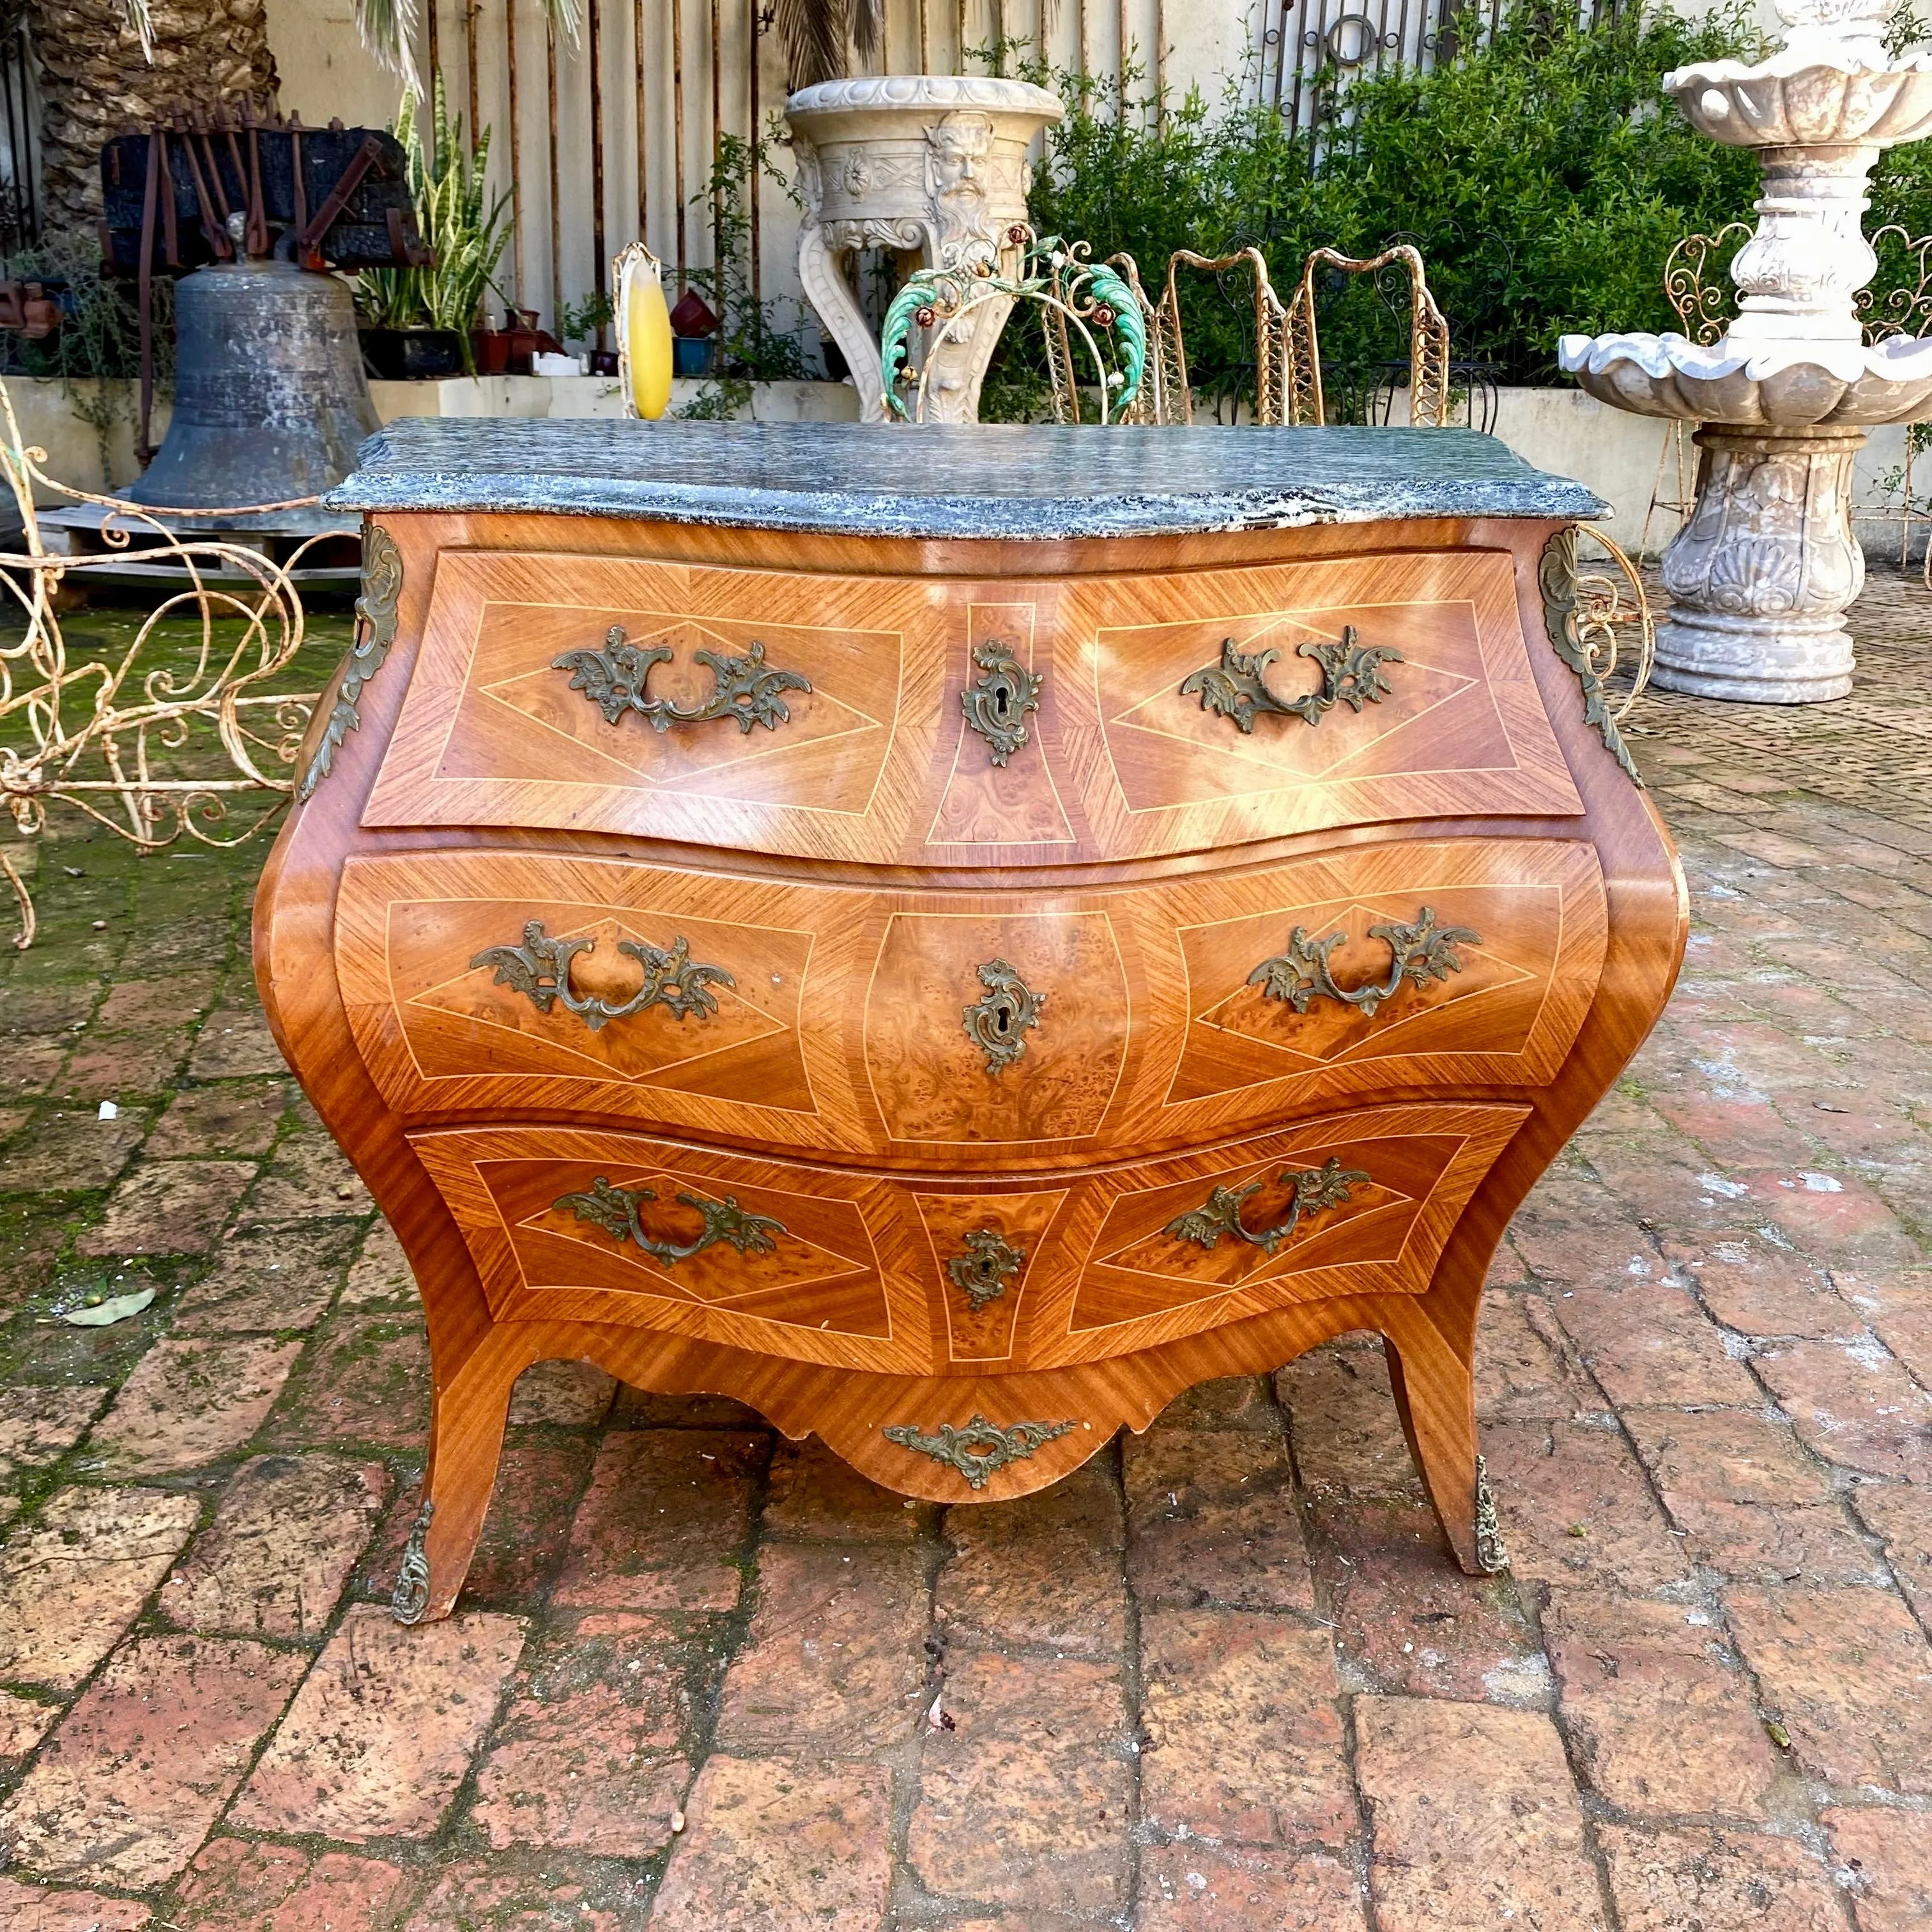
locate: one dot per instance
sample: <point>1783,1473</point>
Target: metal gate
<point>19,134</point>
<point>1307,45</point>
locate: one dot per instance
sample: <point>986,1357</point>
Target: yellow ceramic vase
<point>644,324</point>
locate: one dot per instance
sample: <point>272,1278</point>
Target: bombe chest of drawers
<point>951,936</point>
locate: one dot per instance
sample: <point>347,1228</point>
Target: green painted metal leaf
<point>910,300</point>
<point>1107,287</point>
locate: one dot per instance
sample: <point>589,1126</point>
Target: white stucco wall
<point>53,416</point>
<point>324,67</point>
<point>325,71</point>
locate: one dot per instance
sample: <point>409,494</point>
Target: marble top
<point>997,480</point>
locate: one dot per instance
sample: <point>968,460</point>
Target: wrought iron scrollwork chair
<point>1269,370</point>
<point>1906,310</point>
<point>1692,286</point>
<point>1283,383</point>
<point>1429,369</point>
<point>1614,620</point>
<point>1164,396</point>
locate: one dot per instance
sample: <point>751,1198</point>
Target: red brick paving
<point>663,1521</point>
<point>1474,1819</point>
<point>1223,1680</point>
<point>236,1885</point>
<point>776,1841</point>
<point>1211,1513</point>
<point>1244,1730</point>
<point>586,1755</point>
<point>385,1727</point>
<point>127,1788</point>
<point>1661,1719</point>
<point>279,1553</point>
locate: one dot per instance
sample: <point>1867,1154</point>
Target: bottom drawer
<point>910,1275</point>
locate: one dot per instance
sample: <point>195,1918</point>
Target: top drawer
<point>947,721</point>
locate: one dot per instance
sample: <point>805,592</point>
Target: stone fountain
<point>1762,574</point>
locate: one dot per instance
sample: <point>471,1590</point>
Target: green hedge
<point>1542,173</point>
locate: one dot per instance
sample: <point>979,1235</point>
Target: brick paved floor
<point>1223,1680</point>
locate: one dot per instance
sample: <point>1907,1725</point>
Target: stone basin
<point>1772,385</point>
<point>1806,98</point>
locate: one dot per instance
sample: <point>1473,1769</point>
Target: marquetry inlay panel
<point>855,1269</point>
<point>841,1028</point>
<point>878,760</point>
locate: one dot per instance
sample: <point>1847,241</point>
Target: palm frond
<point>869,25</point>
<point>388,29</point>
<point>814,34</point>
<point>141,25</point>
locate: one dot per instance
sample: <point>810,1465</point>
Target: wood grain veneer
<point>1135,860</point>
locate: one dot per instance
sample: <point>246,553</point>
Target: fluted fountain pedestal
<point>1761,575</point>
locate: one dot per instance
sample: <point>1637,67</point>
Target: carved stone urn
<point>1762,574</point>
<point>920,163</point>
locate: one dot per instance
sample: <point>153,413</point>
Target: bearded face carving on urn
<point>920,164</point>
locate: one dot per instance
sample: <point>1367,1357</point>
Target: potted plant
<point>418,321</point>
<point>585,322</point>
<point>693,324</point>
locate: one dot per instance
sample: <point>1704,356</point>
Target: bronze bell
<point>270,399</point>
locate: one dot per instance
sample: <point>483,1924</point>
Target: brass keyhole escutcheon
<point>982,1270</point>
<point>996,704</point>
<point>999,1020</point>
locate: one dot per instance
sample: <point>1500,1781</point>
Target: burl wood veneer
<point>953,992</point>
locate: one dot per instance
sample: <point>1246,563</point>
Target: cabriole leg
<point>1436,1396</point>
<point>465,1443</point>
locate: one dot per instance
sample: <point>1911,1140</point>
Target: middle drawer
<point>1027,1026</point>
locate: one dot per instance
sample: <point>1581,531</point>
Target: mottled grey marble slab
<point>987,480</point>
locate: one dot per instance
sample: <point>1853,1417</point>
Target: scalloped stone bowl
<point>938,93</point>
<point>1799,100</point>
<point>1807,386</point>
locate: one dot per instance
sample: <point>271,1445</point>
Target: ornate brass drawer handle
<point>977,1448</point>
<point>746,688</point>
<point>539,969</point>
<point>999,1020</point>
<point>996,706</point>
<point>1418,953</point>
<point>1236,687</point>
<point>982,1273</point>
<point>1312,1191</point>
<point>615,1210</point>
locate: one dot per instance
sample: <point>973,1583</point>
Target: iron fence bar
<point>556,177</point>
<point>598,252</point>
<point>516,147</point>
<point>756,27</point>
<point>428,132</point>
<point>717,153</point>
<point>677,132</point>
<point>643,124</point>
<point>473,13</point>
